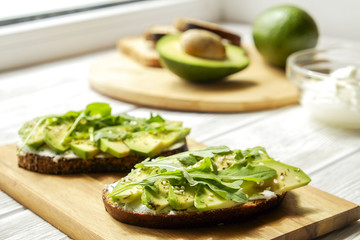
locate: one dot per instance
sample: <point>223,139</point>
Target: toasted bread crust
<point>50,165</point>
<point>191,219</point>
<point>140,50</point>
<point>156,32</point>
<point>184,24</point>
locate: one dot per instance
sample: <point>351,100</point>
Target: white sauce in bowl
<point>335,100</point>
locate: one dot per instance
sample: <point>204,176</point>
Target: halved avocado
<point>197,69</point>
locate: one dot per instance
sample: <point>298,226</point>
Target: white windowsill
<point>50,39</point>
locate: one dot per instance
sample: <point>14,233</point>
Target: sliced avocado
<point>36,128</point>
<point>55,135</point>
<point>171,137</point>
<point>116,148</point>
<point>130,194</point>
<point>181,197</point>
<point>196,69</point>
<point>156,197</point>
<point>84,149</point>
<point>112,133</point>
<point>206,199</point>
<point>133,193</point>
<point>173,123</point>
<point>287,178</point>
<point>144,143</point>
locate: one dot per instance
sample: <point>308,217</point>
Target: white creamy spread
<point>266,195</point>
<point>336,100</point>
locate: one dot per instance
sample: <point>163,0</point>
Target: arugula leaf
<point>174,177</point>
<point>252,154</point>
<point>72,128</point>
<point>204,166</point>
<point>247,172</point>
<point>112,133</point>
<point>188,160</point>
<point>101,109</point>
<point>228,193</point>
<point>191,157</point>
<point>156,118</point>
<point>70,115</point>
<point>168,166</point>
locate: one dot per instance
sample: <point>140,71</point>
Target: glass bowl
<point>329,83</point>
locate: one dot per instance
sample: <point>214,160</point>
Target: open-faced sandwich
<point>195,188</point>
<point>94,140</point>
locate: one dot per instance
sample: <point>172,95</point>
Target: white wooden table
<point>331,156</point>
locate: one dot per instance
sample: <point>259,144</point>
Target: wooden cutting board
<point>258,87</point>
<point>73,204</point>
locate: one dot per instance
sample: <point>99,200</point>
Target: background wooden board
<point>73,204</point>
<point>258,87</point>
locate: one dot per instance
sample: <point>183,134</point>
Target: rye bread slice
<point>191,219</point>
<point>62,165</point>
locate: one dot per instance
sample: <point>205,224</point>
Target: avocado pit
<point>203,44</point>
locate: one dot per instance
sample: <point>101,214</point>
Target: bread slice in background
<point>66,165</point>
<point>154,33</point>
<point>183,24</point>
<point>139,49</point>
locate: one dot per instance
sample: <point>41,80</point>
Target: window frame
<point>74,34</point>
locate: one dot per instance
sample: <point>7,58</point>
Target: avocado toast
<point>94,140</point>
<point>199,188</point>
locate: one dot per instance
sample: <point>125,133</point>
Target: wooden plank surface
<point>73,204</point>
<point>259,86</point>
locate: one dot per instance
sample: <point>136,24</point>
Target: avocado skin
<point>199,70</point>
<point>197,74</point>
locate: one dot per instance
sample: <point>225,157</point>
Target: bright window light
<point>17,11</point>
